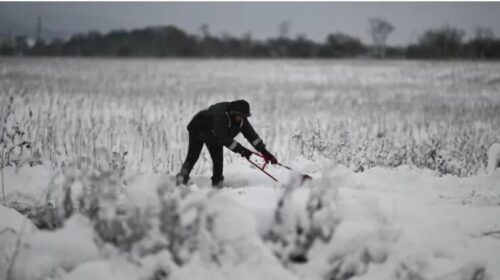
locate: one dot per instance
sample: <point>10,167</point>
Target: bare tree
<point>484,33</point>
<point>380,30</point>
<point>246,42</point>
<point>445,42</point>
<point>205,30</point>
<point>482,41</point>
<point>284,29</point>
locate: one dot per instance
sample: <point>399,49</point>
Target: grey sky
<point>314,19</point>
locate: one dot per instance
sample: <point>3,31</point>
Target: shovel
<point>304,177</point>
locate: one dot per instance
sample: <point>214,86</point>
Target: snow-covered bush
<point>314,140</point>
<point>460,156</point>
<point>312,235</point>
<point>12,226</point>
<point>296,225</point>
<point>47,254</point>
<point>494,158</point>
<point>14,146</point>
<point>152,229</point>
<point>88,185</point>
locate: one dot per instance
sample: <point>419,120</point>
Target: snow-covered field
<point>397,150</point>
<point>402,223</point>
<point>437,115</point>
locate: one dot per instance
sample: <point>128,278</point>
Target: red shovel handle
<point>282,165</point>
<point>261,168</point>
<point>304,176</point>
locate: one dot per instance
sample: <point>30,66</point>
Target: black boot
<point>217,182</point>
<point>182,177</point>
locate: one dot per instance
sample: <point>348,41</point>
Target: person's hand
<point>246,153</point>
<point>268,157</point>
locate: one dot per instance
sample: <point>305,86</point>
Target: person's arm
<point>252,136</point>
<point>256,141</point>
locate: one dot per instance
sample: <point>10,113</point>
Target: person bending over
<point>216,127</point>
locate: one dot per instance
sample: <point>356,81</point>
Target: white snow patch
<point>392,224</point>
<point>104,270</point>
<point>13,227</point>
<point>44,253</point>
<point>27,185</point>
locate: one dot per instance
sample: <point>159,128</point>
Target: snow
<point>44,253</point>
<point>27,186</point>
<point>233,234</point>
<point>400,223</point>
<point>101,270</point>
<point>13,221</point>
<point>12,226</point>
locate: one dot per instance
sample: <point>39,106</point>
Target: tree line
<point>170,41</point>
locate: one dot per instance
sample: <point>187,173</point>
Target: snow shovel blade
<point>304,177</point>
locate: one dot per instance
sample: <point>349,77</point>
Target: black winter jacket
<point>214,125</point>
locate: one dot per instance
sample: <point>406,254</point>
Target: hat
<point>240,107</point>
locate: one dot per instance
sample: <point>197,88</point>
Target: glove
<point>268,157</point>
<point>246,153</point>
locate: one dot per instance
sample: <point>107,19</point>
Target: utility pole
<point>39,28</point>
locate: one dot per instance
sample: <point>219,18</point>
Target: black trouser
<point>196,141</point>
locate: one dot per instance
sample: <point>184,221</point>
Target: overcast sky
<point>315,20</point>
